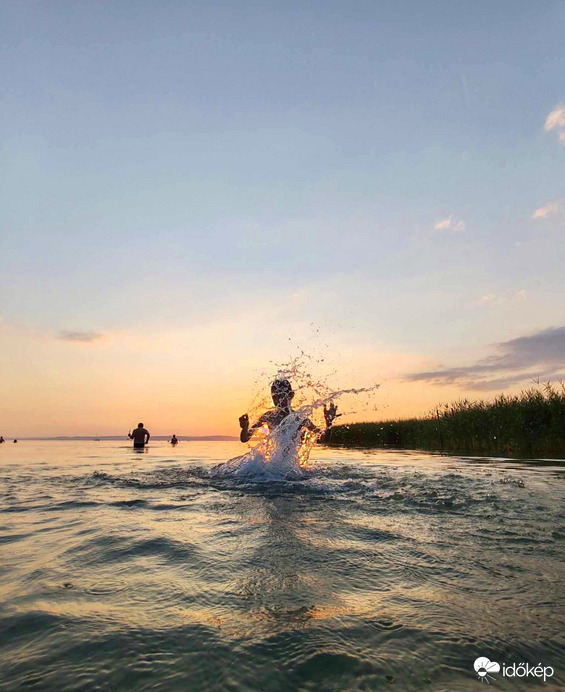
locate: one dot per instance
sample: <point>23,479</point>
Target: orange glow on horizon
<point>183,382</point>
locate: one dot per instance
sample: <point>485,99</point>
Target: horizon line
<point>124,437</point>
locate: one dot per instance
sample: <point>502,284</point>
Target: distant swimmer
<point>15,440</point>
<point>174,440</point>
<point>140,436</point>
<point>282,394</point>
<point>2,440</point>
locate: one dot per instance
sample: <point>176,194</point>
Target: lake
<point>381,569</point>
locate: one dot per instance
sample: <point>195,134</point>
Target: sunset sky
<point>193,191</point>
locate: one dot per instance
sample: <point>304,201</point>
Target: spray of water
<point>283,453</point>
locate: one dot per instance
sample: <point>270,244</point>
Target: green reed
<point>531,423</point>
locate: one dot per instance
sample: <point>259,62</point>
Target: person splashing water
<point>283,436</point>
<point>283,394</point>
<point>287,438</point>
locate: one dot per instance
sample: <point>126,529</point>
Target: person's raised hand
<point>244,421</point>
<point>330,413</point>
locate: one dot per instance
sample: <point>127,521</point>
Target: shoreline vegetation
<point>530,424</point>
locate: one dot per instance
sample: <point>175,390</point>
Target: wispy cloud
<point>491,299</point>
<point>545,211</point>
<point>449,224</point>
<point>556,121</point>
<point>79,336</point>
<point>539,355</point>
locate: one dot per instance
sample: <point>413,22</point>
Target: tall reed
<point>530,424</point>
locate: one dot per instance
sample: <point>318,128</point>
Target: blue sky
<point>371,168</point>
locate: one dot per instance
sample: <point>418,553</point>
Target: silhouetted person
<point>282,394</point>
<point>174,440</point>
<point>2,439</point>
<point>15,440</point>
<point>140,436</point>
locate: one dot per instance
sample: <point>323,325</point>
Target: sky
<point>193,192</point>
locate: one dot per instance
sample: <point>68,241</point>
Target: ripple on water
<point>120,547</point>
<point>355,578</point>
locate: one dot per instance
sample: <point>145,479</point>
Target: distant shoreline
<point>110,438</point>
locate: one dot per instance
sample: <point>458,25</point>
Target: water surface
<point>393,570</point>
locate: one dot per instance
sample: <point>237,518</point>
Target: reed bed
<point>529,424</point>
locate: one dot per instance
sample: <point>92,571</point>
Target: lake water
<point>381,570</point>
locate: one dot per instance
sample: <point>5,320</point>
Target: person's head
<point>140,425</point>
<point>281,391</point>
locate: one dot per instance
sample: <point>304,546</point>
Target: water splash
<point>283,453</point>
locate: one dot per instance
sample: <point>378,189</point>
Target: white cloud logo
<point>484,668</point>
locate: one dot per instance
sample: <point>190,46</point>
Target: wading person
<point>140,436</point>
<point>282,394</point>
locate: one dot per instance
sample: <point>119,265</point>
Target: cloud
<point>544,212</point>
<point>497,299</point>
<point>79,336</point>
<point>487,298</point>
<point>556,121</point>
<point>540,355</point>
<point>449,224</point>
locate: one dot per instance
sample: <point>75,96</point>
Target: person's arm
<point>130,436</point>
<point>148,436</point>
<point>247,431</point>
<point>311,427</point>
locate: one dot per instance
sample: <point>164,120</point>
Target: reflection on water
<point>376,570</point>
